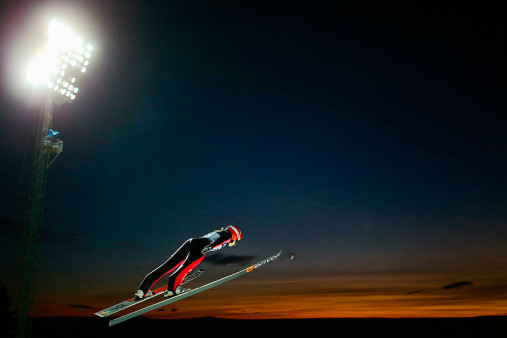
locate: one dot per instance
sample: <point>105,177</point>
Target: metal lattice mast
<point>33,221</point>
<point>56,71</point>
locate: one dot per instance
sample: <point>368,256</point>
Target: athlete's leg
<point>170,265</point>
<point>193,258</point>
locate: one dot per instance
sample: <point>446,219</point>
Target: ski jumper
<point>187,257</point>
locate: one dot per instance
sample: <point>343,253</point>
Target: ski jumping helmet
<point>234,230</point>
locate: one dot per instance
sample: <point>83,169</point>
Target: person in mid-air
<point>187,257</point>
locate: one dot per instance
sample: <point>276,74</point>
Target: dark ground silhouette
<point>312,328</point>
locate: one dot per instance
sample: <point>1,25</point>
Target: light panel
<point>60,64</point>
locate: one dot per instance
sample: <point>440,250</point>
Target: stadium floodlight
<point>60,64</point>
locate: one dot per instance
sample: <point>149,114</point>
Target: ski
<point>153,293</point>
<point>192,292</point>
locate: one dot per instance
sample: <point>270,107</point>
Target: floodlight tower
<point>57,70</point>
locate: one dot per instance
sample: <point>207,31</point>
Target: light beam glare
<point>53,63</point>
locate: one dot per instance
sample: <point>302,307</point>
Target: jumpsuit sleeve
<point>218,240</point>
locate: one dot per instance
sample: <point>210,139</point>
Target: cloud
<point>81,306</point>
<point>456,285</point>
<point>221,259</point>
<point>415,292</point>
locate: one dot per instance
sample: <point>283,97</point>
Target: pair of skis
<point>123,305</point>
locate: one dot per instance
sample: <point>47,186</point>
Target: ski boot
<point>138,295</point>
<point>179,290</point>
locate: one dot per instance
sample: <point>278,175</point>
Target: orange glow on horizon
<point>262,298</point>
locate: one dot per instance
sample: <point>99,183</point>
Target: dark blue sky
<point>361,136</point>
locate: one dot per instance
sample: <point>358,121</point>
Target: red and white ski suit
<point>187,257</point>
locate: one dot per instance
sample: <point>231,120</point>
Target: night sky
<point>367,138</point>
